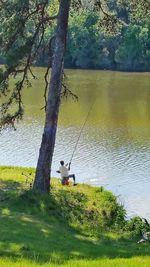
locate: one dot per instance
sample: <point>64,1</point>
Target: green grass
<point>72,227</point>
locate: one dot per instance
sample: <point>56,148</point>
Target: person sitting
<point>64,171</point>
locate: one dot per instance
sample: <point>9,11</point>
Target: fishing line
<point>82,128</point>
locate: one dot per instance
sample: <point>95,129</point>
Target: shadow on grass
<point>33,227</point>
<point>8,190</point>
<point>9,185</point>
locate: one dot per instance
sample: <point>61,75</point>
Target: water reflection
<point>114,147</point>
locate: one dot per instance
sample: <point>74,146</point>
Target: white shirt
<point>63,171</point>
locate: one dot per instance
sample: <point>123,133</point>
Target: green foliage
<point>89,209</point>
<point>91,45</point>
<point>83,42</point>
<point>126,47</point>
<point>22,33</point>
<point>86,209</point>
<point>137,226</point>
<point>133,53</point>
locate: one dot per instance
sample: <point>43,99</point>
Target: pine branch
<point>47,71</point>
<point>68,93</point>
<point>16,97</point>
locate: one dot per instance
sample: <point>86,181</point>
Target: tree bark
<point>43,170</point>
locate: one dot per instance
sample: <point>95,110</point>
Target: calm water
<point>114,149</point>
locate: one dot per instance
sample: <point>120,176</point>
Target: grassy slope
<point>33,231</point>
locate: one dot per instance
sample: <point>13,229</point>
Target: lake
<point>114,148</point>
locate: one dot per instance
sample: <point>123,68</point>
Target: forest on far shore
<point>91,45</point>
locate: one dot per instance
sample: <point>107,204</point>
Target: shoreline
<point>73,226</point>
<point>128,216</point>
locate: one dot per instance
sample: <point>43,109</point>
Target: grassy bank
<point>72,227</point>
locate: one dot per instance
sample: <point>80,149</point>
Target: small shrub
<point>136,226</point>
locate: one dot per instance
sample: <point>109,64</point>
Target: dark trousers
<point>67,178</point>
<point>72,176</point>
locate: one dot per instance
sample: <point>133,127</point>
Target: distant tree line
<point>90,46</point>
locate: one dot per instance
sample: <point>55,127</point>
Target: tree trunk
<point>43,170</point>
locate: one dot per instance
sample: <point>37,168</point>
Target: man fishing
<point>64,171</point>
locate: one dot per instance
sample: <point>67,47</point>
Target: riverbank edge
<point>20,207</point>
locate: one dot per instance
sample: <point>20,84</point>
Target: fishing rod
<point>82,128</point>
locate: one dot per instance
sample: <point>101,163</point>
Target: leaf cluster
<point>23,27</point>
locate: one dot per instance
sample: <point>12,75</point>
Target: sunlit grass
<point>133,262</point>
<point>35,230</point>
